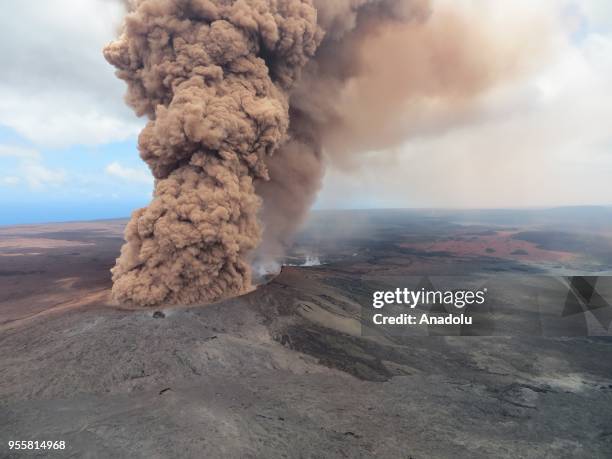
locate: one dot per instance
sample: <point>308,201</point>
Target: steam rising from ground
<point>246,101</point>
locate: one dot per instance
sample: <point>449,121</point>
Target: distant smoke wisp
<point>245,99</point>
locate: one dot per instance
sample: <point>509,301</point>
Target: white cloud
<point>8,151</point>
<point>9,181</point>
<point>47,123</point>
<point>598,13</point>
<point>55,86</point>
<point>30,169</point>
<point>40,177</point>
<point>139,175</point>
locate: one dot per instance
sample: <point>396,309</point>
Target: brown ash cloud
<point>247,101</point>
<point>213,79</point>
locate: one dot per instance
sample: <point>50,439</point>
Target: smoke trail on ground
<point>246,100</point>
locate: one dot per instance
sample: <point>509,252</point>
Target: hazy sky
<point>68,143</point>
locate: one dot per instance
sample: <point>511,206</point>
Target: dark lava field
<point>295,368</point>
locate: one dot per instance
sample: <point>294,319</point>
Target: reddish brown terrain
<point>494,244</point>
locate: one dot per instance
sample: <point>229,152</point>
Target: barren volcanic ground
<point>291,369</point>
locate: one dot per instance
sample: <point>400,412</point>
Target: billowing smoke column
<point>213,78</point>
<point>244,97</point>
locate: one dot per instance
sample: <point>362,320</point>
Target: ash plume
<point>213,78</point>
<point>246,101</point>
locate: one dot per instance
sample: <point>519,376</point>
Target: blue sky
<point>68,142</point>
<point>74,182</point>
